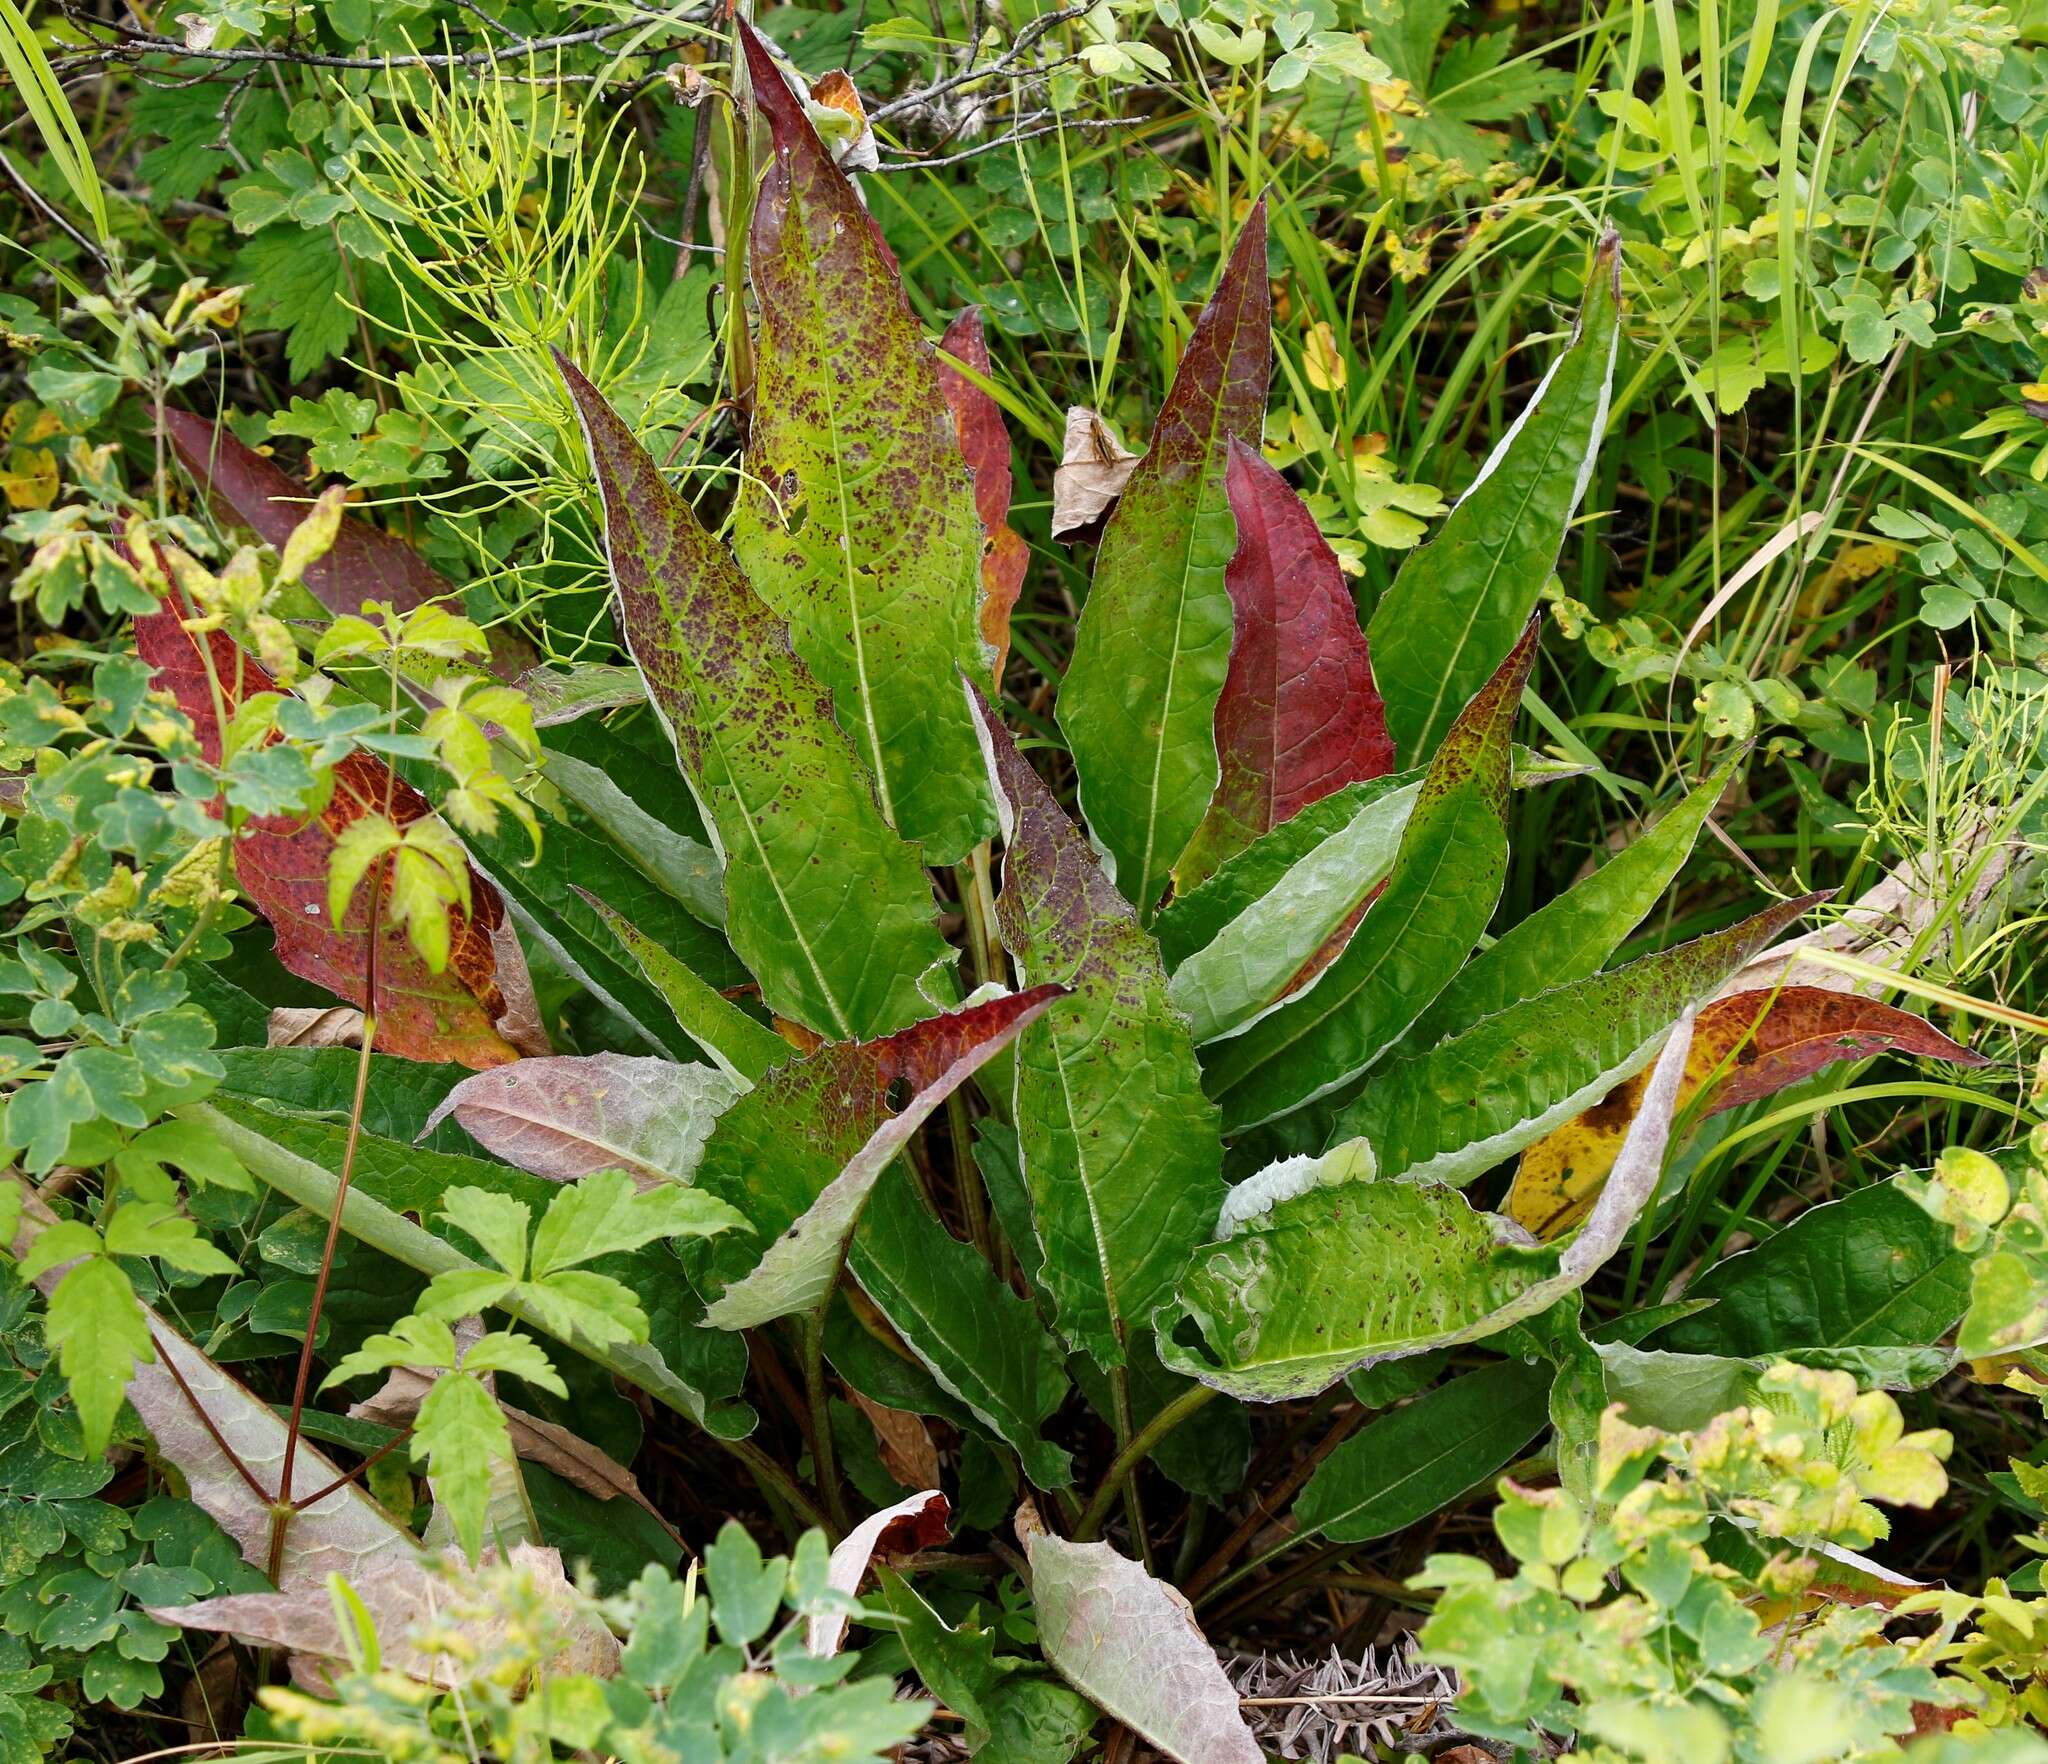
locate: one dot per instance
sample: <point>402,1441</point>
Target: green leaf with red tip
<point>856,520</point>
<point>1458,603</point>
<point>830,910</point>
<point>1152,651</point>
<point>1300,715</point>
<point>985,445</point>
<point>800,1153</point>
<point>1452,1113</point>
<point>1120,1150</point>
<point>1442,889</point>
<point>282,862</point>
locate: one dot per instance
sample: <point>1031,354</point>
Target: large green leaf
<point>982,1343</point>
<point>1443,887</point>
<point>856,518</point>
<point>1138,705</point>
<point>1455,608</point>
<point>1451,1113</point>
<point>1570,937</point>
<point>829,909</point>
<point>1869,1284</point>
<point>1425,1454</point>
<point>1121,1151</point>
<point>800,1153</point>
<point>1322,1268</point>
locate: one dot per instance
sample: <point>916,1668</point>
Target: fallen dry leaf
<point>904,1441</point>
<point>315,1026</point>
<point>1094,467</point>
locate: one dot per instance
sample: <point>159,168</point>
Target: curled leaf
<point>918,1522</point>
<point>800,1153</point>
<point>1746,1046</point>
<point>1093,470</point>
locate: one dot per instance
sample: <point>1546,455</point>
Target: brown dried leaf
<point>315,1026</point>
<point>904,1441</point>
<point>1094,468</point>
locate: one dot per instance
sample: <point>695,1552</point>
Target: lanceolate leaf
<point>1747,1045</point>
<point>856,520</point>
<point>281,865</point>
<point>1120,1150</point>
<point>1192,921</point>
<point>564,1116</point>
<point>1299,716</point>
<point>1870,1284</point>
<point>1130,1644</point>
<point>983,1344</point>
<point>740,1047</point>
<point>1322,1271</point>
<point>1443,888</point>
<point>1457,604</point>
<point>1454,1112</point>
<point>364,563</point>
<point>1261,955</point>
<point>1138,706</point>
<point>828,908</point>
<point>800,1153</point>
<point>985,445</point>
<point>1571,936</point>
<point>1422,1456</point>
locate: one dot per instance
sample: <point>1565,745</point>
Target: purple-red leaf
<point>985,445</point>
<point>281,862</point>
<point>363,564</point>
<point>1152,650</point>
<point>1299,716</point>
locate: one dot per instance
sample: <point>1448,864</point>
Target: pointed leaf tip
<point>787,124</point>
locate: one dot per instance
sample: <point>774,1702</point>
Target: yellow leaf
<point>1321,359</point>
<point>30,480</point>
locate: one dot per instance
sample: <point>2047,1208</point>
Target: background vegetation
<point>1813,550</point>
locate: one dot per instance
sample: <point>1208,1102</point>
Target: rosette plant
<point>944,1101</point>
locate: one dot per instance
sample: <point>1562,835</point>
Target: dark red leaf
<point>281,865</point>
<point>1300,715</point>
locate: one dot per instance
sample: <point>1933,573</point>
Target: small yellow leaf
<point>30,480</point>
<point>1322,360</point>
